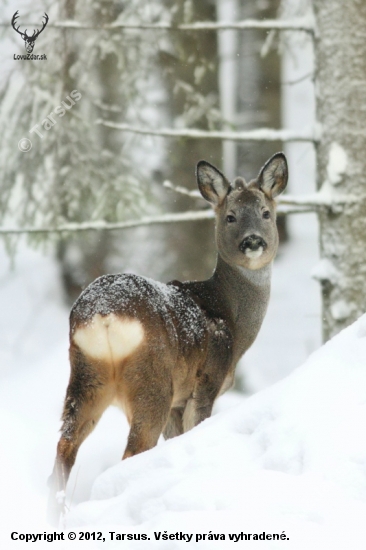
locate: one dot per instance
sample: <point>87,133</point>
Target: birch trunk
<point>340,50</point>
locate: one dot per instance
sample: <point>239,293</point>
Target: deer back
<point>117,314</point>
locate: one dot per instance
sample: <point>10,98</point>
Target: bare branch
<point>261,134</point>
<point>318,200</point>
<point>286,205</point>
<point>298,80</point>
<point>313,201</point>
<point>284,209</point>
<point>101,225</point>
<point>304,24</point>
<point>182,190</point>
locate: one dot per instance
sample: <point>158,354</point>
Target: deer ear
<point>212,183</point>
<point>272,178</point>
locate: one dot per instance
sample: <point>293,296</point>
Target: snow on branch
<point>289,204</point>
<point>286,205</point>
<point>304,24</point>
<point>261,134</point>
<point>182,190</point>
<point>101,225</point>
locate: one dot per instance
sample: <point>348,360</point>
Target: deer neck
<point>244,296</point>
<point>232,279</point>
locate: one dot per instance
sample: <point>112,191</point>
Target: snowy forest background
<point>81,171</point>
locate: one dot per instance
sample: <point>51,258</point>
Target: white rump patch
<point>109,337</point>
<point>253,254</point>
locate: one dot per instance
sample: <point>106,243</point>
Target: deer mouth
<point>253,246</point>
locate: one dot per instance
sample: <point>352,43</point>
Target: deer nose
<point>252,242</point>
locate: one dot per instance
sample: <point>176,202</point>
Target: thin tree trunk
<point>83,258</point>
<point>193,244</point>
<point>259,99</point>
<point>340,49</point>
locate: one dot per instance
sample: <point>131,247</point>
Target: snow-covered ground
<point>291,458</point>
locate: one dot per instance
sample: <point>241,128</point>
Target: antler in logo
<point>28,40</point>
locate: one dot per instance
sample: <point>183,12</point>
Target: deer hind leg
<point>210,379</point>
<point>88,395</point>
<point>149,396</point>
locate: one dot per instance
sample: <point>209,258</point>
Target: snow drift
<point>291,459</point>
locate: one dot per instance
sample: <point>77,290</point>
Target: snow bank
<point>291,459</point>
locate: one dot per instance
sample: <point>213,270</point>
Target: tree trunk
<point>192,244</point>
<point>84,257</point>
<point>259,93</point>
<point>340,50</point>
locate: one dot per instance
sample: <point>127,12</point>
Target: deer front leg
<point>199,406</point>
<point>211,378</point>
<point>174,425</point>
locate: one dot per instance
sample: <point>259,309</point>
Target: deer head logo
<point>28,40</point>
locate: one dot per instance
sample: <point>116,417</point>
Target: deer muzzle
<point>253,246</point>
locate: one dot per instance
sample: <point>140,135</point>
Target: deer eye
<point>230,219</point>
<point>266,214</point>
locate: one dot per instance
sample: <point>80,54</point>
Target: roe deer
<point>165,352</point>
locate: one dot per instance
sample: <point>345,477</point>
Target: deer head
<point>28,40</point>
<point>246,233</point>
